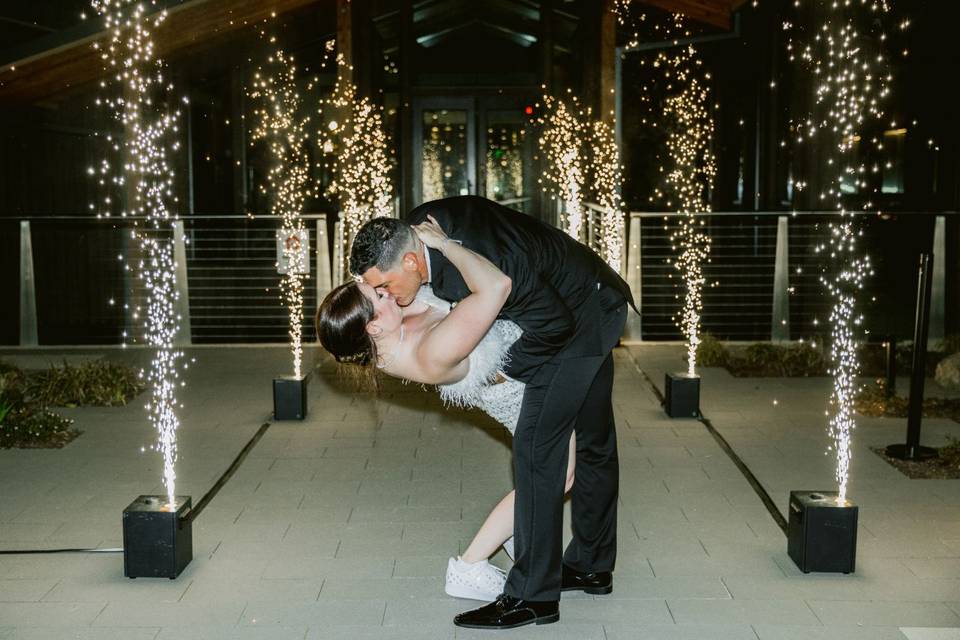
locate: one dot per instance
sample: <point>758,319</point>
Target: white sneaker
<point>477,581</point>
<point>508,547</point>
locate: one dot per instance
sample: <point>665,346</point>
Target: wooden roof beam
<point>61,69</point>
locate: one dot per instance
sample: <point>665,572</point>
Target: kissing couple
<point>510,315</point>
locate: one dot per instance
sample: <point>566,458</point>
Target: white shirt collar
<point>426,256</point>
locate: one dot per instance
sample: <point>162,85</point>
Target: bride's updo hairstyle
<point>341,323</point>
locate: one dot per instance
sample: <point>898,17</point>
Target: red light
<point>528,110</point>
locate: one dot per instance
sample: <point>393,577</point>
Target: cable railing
<point>763,274</point>
<point>77,282</point>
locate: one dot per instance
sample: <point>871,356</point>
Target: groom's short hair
<point>380,243</point>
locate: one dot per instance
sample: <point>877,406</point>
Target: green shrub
<point>802,359</point>
<point>950,453</point>
<point>103,384</point>
<point>26,427</point>
<point>711,352</point>
<point>951,344</point>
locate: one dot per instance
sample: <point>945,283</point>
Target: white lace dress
<point>478,388</point>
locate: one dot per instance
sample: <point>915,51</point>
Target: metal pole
<point>780,318</point>
<point>181,305</point>
<point>324,273</point>
<point>912,449</point>
<point>28,289</point>
<point>890,365</point>
<point>632,330</point>
<point>938,306</point>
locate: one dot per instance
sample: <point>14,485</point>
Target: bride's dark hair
<point>341,323</point>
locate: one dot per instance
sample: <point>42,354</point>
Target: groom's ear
<point>410,261</point>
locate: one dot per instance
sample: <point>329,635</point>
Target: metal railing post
<point>780,316</point>
<point>324,273</point>
<point>938,305</point>
<point>28,289</point>
<point>338,251</point>
<point>181,305</point>
<point>634,278</point>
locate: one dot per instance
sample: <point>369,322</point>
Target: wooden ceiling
<point>713,12</point>
<point>67,59</point>
<point>74,62</point>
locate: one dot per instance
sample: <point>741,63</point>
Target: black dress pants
<point>567,394</point>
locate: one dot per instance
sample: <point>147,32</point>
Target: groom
<point>572,307</point>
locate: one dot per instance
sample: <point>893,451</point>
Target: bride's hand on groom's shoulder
<point>430,233</point>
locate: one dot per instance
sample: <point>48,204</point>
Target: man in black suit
<point>572,307</point>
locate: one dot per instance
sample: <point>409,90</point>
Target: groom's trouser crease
<point>560,394</point>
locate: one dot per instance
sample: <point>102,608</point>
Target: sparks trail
<point>583,162</point>
<point>688,174</point>
<point>356,143</point>
<point>138,95</point>
<point>849,69</point>
<point>289,183</point>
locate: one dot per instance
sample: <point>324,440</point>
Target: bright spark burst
<point>289,183</point>
<point>356,141</point>
<point>845,58</point>
<point>583,161</point>
<point>137,94</point>
<point>562,144</point>
<point>607,182</point>
<point>690,169</point>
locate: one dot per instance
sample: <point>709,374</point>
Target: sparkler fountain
<point>279,122</point>
<point>562,144</point>
<point>355,138</point>
<point>850,77</point>
<point>582,160</point>
<point>688,177</point>
<point>157,539</point>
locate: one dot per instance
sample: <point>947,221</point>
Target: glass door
<point>507,150</point>
<point>444,141</point>
<point>475,146</point>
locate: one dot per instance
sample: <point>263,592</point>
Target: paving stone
<point>678,632</point>
<point>328,612</point>
<point>742,611</point>
<point>341,526</point>
<point>212,632</point>
<point>169,614</point>
<point>898,614</point>
<point>98,633</point>
<point>60,614</point>
<point>25,589</point>
<point>928,633</point>
<point>838,632</point>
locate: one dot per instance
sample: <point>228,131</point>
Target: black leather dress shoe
<point>598,584</point>
<point>507,612</point>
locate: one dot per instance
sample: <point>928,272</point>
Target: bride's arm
<point>452,340</point>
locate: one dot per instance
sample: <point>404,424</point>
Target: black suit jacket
<point>554,277</point>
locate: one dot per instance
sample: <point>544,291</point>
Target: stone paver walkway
<point>341,526</point>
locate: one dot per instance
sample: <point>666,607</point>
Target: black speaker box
<point>290,398</point>
<point>822,533</point>
<point>681,398</point>
<point>157,542</point>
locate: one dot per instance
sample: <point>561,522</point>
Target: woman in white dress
<point>462,350</point>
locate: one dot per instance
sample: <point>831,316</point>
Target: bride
<point>462,350</point>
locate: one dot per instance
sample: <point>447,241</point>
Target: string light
<point>356,142</point>
<point>280,123</point>
<point>137,93</point>
<point>851,80</point>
